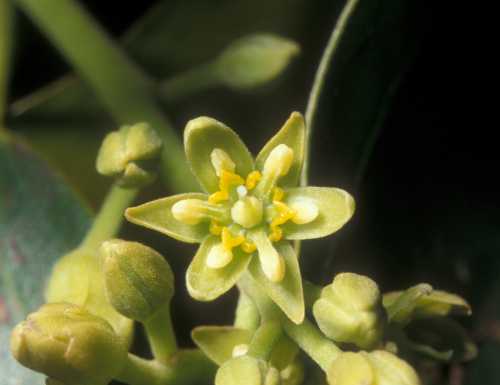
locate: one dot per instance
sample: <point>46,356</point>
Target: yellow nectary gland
<point>247,212</point>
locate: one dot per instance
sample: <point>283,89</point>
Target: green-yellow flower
<point>251,211</point>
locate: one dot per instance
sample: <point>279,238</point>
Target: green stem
<point>264,339</point>
<point>316,345</point>
<point>247,315</point>
<point>312,293</point>
<point>184,84</point>
<point>267,309</point>
<point>320,77</point>
<point>161,335</point>
<point>110,217</point>
<point>138,371</point>
<point>6,15</point>
<point>122,87</point>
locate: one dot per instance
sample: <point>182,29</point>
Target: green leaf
<point>201,136</point>
<point>40,219</point>
<point>218,342</point>
<point>254,60</point>
<point>287,294</point>
<point>293,135</point>
<point>157,215</point>
<point>335,208</point>
<point>400,308</point>
<point>205,283</point>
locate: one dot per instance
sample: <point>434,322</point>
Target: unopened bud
<point>138,280</point>
<point>350,310</point>
<point>254,60</point>
<point>375,368</point>
<point>129,153</point>
<point>69,344</point>
<point>247,370</point>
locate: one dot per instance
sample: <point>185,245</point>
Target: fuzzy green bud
<point>375,368</point>
<point>129,154</point>
<point>254,60</point>
<point>350,310</point>
<point>138,280</point>
<point>69,344</point>
<point>247,370</point>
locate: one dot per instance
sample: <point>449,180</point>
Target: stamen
<point>284,214</point>
<point>277,164</point>
<point>248,247</point>
<point>219,196</point>
<point>305,210</point>
<point>215,228</point>
<point>227,179</point>
<point>273,264</point>
<point>229,241</point>
<point>278,194</point>
<point>252,179</point>
<point>221,161</point>
<point>193,211</point>
<point>219,256</point>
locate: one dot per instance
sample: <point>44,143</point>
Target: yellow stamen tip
<point>252,179</point>
<point>218,196</point>
<point>229,241</point>
<point>276,234</point>
<point>278,194</point>
<point>248,247</point>
<point>215,228</point>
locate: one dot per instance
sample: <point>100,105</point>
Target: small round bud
<point>128,155</point>
<point>350,310</point>
<point>351,369</point>
<point>247,212</point>
<point>247,370</point>
<point>254,60</point>
<point>138,280</point>
<point>279,160</point>
<point>69,344</point>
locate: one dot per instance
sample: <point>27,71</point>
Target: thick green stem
<point>122,87</point>
<point>161,335</point>
<point>247,315</point>
<point>264,339</point>
<point>184,84</point>
<point>316,345</point>
<point>267,309</point>
<point>138,371</point>
<point>320,77</point>
<point>110,217</point>
<point>6,15</point>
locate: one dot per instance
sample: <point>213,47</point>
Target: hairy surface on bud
<point>246,370</point>
<point>350,310</point>
<point>69,344</point>
<point>138,280</point>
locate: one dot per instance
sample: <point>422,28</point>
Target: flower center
<point>247,211</point>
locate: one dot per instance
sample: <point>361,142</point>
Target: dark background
<point>427,206</point>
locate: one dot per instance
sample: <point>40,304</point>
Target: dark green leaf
<point>40,219</point>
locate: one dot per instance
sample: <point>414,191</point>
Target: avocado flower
<point>250,212</point>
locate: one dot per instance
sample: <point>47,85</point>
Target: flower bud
<point>350,310</point>
<point>128,155</point>
<point>254,60</point>
<point>247,370</point>
<point>69,344</point>
<point>137,279</point>
<point>376,368</point>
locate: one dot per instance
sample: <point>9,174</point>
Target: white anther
<point>218,257</point>
<point>189,211</point>
<point>279,160</point>
<point>306,211</point>
<point>221,161</point>
<point>242,191</point>
<point>240,350</point>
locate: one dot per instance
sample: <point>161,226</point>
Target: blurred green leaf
<point>40,219</point>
